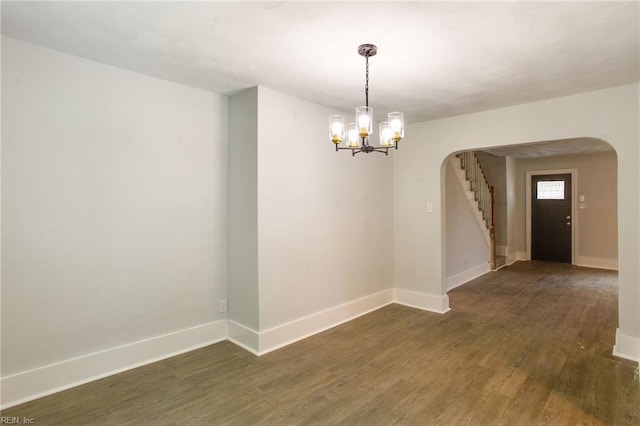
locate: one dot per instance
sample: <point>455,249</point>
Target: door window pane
<point>551,190</point>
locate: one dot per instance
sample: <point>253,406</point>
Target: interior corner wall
<point>114,219</point>
<point>310,240</point>
<point>243,209</point>
<point>610,114</point>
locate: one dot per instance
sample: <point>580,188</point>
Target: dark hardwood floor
<point>529,344</point>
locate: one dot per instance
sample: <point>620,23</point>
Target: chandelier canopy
<point>356,136</point>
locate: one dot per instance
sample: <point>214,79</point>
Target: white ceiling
<point>435,59</point>
<point>551,148</point>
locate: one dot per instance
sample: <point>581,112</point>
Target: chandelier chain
<point>366,86</point>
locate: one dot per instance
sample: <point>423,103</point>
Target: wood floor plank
<point>529,344</point>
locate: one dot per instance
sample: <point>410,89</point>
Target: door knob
<point>568,217</point>
<point>568,223</point>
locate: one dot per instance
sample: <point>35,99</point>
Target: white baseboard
<point>263,342</point>
<point>516,257</point>
<point>424,301</point>
<point>597,262</point>
<point>38,382</point>
<point>502,250</point>
<point>466,276</point>
<point>627,347</point>
<point>285,334</point>
<point>245,337</point>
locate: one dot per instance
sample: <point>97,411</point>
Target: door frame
<point>574,198</point>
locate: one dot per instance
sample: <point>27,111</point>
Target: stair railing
<point>484,194</point>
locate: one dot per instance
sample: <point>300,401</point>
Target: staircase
<point>481,194</point>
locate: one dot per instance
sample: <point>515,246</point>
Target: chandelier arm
<point>355,151</point>
<point>384,151</point>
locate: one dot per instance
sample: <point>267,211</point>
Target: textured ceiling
<point>435,59</point>
<point>551,148</point>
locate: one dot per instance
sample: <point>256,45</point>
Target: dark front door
<point>551,219</point>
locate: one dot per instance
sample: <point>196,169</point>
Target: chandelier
<point>356,136</point>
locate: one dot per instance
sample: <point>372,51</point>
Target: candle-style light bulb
<point>385,134</point>
<point>353,136</point>
<point>336,129</point>
<point>365,123</point>
<point>396,122</point>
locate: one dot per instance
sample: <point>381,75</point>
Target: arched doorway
<point>593,165</point>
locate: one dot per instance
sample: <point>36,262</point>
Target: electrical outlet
<point>222,305</point>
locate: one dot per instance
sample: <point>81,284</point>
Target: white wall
<point>467,249</point>
<point>418,243</point>
<point>611,115</point>
<point>114,210</point>
<point>325,217</point>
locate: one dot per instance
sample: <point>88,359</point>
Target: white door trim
<point>574,198</point>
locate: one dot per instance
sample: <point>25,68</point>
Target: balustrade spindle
<point>478,184</point>
<point>483,194</point>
